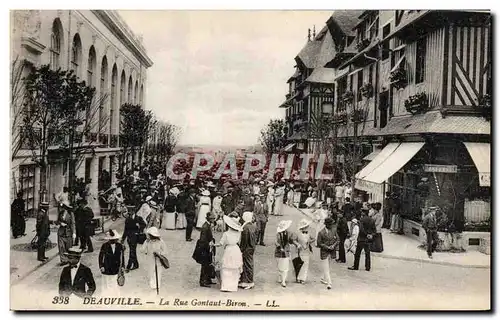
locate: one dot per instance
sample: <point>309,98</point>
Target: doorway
<point>384,108</point>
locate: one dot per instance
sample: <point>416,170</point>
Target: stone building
<point>102,50</point>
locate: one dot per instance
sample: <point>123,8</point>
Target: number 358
<point>60,300</point>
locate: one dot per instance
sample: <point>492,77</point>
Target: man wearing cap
<point>111,260</point>
<point>42,231</point>
<point>261,217</point>
<point>429,223</point>
<point>367,230</point>
<point>66,233</point>
<point>327,240</point>
<point>248,242</point>
<point>203,253</point>
<point>190,208</point>
<point>76,278</point>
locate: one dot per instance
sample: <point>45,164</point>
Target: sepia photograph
<point>305,160</point>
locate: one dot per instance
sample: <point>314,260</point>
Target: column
<point>94,175</point>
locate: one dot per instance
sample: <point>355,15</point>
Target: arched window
<point>56,39</point>
<point>122,88</point>
<point>91,67</point>
<point>136,92</point>
<point>76,54</point>
<point>104,84</point>
<point>129,97</point>
<point>114,79</point>
<point>141,95</point>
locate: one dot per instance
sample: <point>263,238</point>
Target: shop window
<point>420,60</point>
<point>27,185</point>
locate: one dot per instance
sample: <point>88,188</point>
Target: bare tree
<point>167,139</point>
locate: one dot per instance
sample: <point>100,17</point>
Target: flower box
<point>348,97</point>
<point>357,116</point>
<point>417,103</point>
<point>360,46</point>
<point>398,78</point>
<point>367,90</point>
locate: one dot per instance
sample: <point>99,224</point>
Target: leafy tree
<point>135,124</point>
<point>273,136</point>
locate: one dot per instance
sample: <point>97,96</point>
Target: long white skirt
<point>229,279</point>
<point>278,206</point>
<point>168,221</point>
<point>202,216</point>
<point>181,221</point>
<point>109,286</point>
<point>305,267</point>
<point>283,267</point>
<point>296,198</point>
<point>152,273</point>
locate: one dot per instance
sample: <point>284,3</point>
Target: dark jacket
<point>181,202</point>
<point>68,218</point>
<point>248,239</point>
<point>228,205</point>
<point>326,240</point>
<point>429,223</point>
<point>83,279</point>
<point>111,261</point>
<point>171,204</point>
<point>133,226</point>
<point>190,203</point>
<point>42,225</point>
<point>366,227</point>
<point>260,211</point>
<point>202,253</point>
<point>342,228</point>
<point>348,211</point>
<point>248,202</point>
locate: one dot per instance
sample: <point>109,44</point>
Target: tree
<point>53,100</point>
<point>135,122</point>
<point>273,136</point>
<point>167,138</point>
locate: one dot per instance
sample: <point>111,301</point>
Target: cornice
<point>120,29</point>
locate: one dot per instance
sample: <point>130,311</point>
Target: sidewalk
<point>23,258</point>
<point>404,248</point>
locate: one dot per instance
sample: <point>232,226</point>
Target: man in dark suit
<point>76,278</point>
<point>190,208</point>
<point>42,231</point>
<point>327,240</point>
<point>134,225</point>
<point>261,217</point>
<point>343,233</point>
<point>204,251</point>
<point>367,231</point>
<point>85,220</point>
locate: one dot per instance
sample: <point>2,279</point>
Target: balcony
<point>91,137</point>
<point>24,137</point>
<point>113,141</point>
<point>103,139</point>
<point>57,137</point>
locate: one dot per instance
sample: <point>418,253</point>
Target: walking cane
<point>156,274</point>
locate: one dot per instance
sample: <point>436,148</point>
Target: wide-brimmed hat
<point>329,220</point>
<point>112,235</point>
<point>261,182</point>
<point>247,216</point>
<point>74,251</point>
<point>205,193</point>
<point>232,223</point>
<point>175,191</point>
<point>304,223</point>
<point>283,225</point>
<point>210,184</point>
<point>153,231</point>
<point>310,202</point>
<point>148,198</point>
<point>153,205</point>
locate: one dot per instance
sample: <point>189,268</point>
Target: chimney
<point>309,34</point>
<point>314,31</point>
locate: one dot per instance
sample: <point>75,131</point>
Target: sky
<point>221,75</point>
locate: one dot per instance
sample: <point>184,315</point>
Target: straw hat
<point>304,223</point>
<point>247,216</point>
<point>310,202</point>
<point>232,223</point>
<point>283,225</point>
<point>148,198</point>
<point>153,231</point>
<point>153,204</point>
<point>175,191</point>
<point>205,193</point>
<point>74,251</point>
<point>261,182</point>
<point>112,235</point>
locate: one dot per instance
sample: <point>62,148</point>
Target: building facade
<point>412,99</point>
<point>102,50</point>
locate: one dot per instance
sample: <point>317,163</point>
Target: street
<point>391,284</point>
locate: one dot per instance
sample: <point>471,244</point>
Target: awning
<point>403,153</point>
<point>372,155</point>
<point>381,157</point>
<point>289,147</point>
<point>481,155</point>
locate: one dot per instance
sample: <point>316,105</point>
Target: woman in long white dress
<point>232,260</point>
<point>305,239</point>
<point>270,198</point>
<point>205,208</point>
<point>278,201</point>
<point>290,195</point>
<point>218,212</point>
<point>154,244</point>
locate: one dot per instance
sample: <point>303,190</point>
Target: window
<point>91,67</point>
<point>141,95</point>
<point>104,84</point>
<point>351,80</point>
<point>122,88</point>
<point>136,92</point>
<point>360,84</point>
<point>76,54</point>
<point>385,47</point>
<point>114,76</point>
<point>327,108</point>
<point>129,90</point>
<point>370,74</point>
<point>420,61</point>
<point>341,87</point>
<point>55,44</point>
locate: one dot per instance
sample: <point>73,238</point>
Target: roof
<point>346,20</point>
<point>308,54</point>
<point>297,72</point>
<point>322,75</point>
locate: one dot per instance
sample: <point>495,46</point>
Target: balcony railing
<point>113,141</point>
<point>103,139</point>
<point>91,137</point>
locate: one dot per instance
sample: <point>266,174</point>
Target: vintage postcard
<point>250,160</point>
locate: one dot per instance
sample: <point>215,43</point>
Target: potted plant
<point>484,106</point>
<point>348,97</point>
<point>398,78</point>
<point>340,118</point>
<point>367,90</point>
<point>357,115</point>
<point>417,103</point>
<point>361,45</point>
